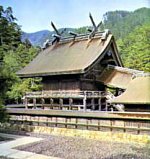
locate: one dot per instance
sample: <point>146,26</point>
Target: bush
<point>3,114</point>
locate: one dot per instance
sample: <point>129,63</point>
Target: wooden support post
<point>124,127</point>
<point>60,103</point>
<point>66,122</point>
<point>22,119</point>
<point>87,124</point>
<point>84,101</point>
<point>76,122</point>
<point>43,102</point>
<point>111,124</point>
<point>51,103</point>
<point>138,126</point>
<point>56,121</point>
<point>70,103</point>
<point>26,103</point>
<point>38,121</point>
<point>34,103</point>
<point>99,125</point>
<point>106,107</point>
<point>99,104</point>
<point>93,103</point>
<point>69,119</point>
<point>47,124</point>
<point>30,121</point>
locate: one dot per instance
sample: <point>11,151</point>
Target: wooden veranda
<point>66,100</point>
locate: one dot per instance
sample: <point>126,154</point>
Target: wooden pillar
<point>84,101</point>
<point>26,103</point>
<point>56,121</point>
<point>70,103</point>
<point>124,130</point>
<point>99,104</point>
<point>47,120</point>
<point>34,103</point>
<point>111,125</point>
<point>76,123</point>
<point>99,123</point>
<point>51,103</point>
<point>43,102</point>
<point>138,128</point>
<point>66,121</point>
<point>106,107</point>
<point>87,123</point>
<point>93,103</point>
<point>61,103</point>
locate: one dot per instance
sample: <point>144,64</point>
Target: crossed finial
<point>95,27</point>
<point>58,34</point>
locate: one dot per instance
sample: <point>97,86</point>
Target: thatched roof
<point>137,92</point>
<point>118,77</point>
<point>69,56</point>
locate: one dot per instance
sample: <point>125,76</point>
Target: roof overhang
<point>118,77</point>
<point>51,73</point>
<point>137,92</point>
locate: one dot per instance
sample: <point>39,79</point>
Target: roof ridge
<point>100,34</point>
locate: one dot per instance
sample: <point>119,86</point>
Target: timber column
<point>84,101</point>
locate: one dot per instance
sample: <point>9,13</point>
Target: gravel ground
<point>78,148</point>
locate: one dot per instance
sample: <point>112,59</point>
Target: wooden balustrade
<point>79,100</point>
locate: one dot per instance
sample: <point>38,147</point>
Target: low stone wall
<point>88,134</point>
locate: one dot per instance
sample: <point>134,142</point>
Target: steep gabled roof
<point>69,56</point>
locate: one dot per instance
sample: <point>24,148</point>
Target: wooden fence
<point>138,123</point>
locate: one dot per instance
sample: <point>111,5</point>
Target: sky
<point>36,15</point>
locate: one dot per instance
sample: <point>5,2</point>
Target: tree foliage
<point>13,61</point>
<point>20,87</point>
<point>121,23</point>
<point>135,48</point>
<point>13,56</point>
<point>10,31</point>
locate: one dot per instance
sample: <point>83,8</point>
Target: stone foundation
<point>88,134</point>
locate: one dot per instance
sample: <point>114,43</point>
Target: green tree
<point>10,32</point>
<point>13,56</point>
<point>135,48</point>
<point>13,61</point>
<point>9,39</point>
<point>20,87</point>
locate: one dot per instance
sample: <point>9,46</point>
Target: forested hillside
<point>37,38</point>
<point>131,30</point>
<point>135,48</point>
<point>121,23</point>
